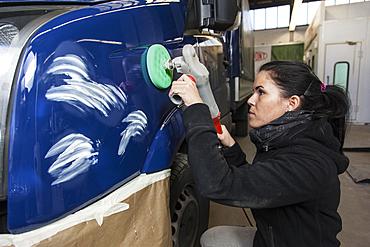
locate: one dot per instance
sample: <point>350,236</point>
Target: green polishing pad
<point>156,58</point>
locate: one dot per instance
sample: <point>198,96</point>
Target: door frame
<point>356,74</point>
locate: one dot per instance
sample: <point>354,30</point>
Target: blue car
<point>80,118</point>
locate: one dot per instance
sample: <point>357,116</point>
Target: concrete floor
<point>354,207</point>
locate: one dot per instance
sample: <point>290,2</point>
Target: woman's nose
<point>250,101</point>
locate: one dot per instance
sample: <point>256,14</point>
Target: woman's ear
<point>294,103</point>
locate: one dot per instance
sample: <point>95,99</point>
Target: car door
<point>83,116</point>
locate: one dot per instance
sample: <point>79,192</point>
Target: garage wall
<point>264,39</point>
<point>351,22</point>
<point>278,36</point>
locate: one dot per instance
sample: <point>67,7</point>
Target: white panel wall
<point>339,31</point>
<point>278,36</point>
<point>262,56</point>
<point>347,11</point>
<point>364,89</point>
<point>350,23</point>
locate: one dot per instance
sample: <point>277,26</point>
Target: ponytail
<point>333,104</point>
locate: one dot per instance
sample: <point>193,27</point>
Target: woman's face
<point>266,103</point>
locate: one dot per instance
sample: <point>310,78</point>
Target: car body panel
<point>167,139</point>
<point>83,115</point>
<point>51,1</point>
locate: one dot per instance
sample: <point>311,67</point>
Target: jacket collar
<point>266,136</point>
<point>300,128</point>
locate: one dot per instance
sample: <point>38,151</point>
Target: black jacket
<point>292,185</point>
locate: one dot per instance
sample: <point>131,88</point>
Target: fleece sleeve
<point>234,155</point>
<point>287,179</point>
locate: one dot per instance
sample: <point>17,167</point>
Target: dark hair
<point>297,78</point>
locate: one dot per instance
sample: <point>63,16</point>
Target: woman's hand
<point>187,90</point>
<point>225,138</point>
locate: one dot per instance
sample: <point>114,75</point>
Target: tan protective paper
<point>145,223</point>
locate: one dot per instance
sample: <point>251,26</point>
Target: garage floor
<point>355,200</point>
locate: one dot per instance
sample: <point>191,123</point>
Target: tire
<point>189,210</point>
<point>3,217</point>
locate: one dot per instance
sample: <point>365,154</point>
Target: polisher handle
<point>216,120</point>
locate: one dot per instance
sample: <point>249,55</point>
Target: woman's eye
<point>260,92</point>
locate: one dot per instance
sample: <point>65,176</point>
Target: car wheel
<point>189,210</point>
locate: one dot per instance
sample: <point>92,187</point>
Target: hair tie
<point>323,87</point>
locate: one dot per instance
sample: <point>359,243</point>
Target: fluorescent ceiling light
<point>295,13</point>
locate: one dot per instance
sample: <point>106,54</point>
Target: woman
<point>292,185</point>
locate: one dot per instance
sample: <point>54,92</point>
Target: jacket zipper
<point>272,243</point>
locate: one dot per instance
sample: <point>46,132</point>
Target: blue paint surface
<point>51,1</point>
<point>166,140</point>
<point>109,39</point>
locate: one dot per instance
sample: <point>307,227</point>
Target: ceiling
<point>258,4</point>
